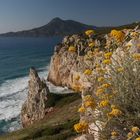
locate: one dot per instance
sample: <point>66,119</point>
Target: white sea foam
<point>13,94</point>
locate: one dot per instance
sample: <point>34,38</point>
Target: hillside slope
<point>56,27</point>
<point>58,125</point>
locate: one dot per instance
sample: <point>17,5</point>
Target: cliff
<point>67,65</point>
<point>92,65</point>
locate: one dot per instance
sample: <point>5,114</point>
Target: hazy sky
<point>25,14</point>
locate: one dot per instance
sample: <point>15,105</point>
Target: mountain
<point>55,27</point>
<point>59,27</point>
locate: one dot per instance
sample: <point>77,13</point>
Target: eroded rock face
<point>35,106</point>
<point>65,65</point>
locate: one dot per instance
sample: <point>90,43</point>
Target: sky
<point>18,15</point>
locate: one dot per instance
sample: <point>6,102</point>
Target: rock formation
<point>66,66</point>
<point>35,106</point>
<point>75,55</point>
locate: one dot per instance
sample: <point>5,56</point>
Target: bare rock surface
<point>35,106</point>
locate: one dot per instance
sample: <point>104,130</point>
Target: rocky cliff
<point>84,63</point>
<point>68,66</point>
<point>35,106</point>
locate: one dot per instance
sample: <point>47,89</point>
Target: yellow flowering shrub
<point>72,49</point>
<point>88,72</point>
<point>92,44</point>
<point>129,135</point>
<point>118,35</point>
<point>114,133</point>
<point>138,138</point>
<point>106,85</point>
<point>115,113</point>
<point>81,127</point>
<point>104,103</point>
<point>101,79</point>
<point>120,69</point>
<point>88,98</point>
<point>81,109</point>
<point>107,61</point>
<point>89,104</point>
<point>136,56</point>
<point>114,91</point>
<point>99,91</point>
<point>135,129</point>
<point>108,55</point>
<point>77,77</point>
<point>89,32</point>
<point>77,88</point>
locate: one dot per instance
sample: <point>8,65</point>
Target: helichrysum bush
<point>114,102</point>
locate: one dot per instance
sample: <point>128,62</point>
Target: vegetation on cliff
<point>105,69</point>
<point>57,125</point>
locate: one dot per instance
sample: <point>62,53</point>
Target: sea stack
<point>35,106</point>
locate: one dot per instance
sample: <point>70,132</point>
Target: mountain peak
<point>56,19</point>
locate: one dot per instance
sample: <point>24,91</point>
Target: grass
<point>57,125</point>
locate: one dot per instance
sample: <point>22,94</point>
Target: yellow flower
<point>118,35</point>
<point>92,44</point>
<point>120,69</point>
<point>81,127</point>
<point>88,72</point>
<point>88,98</point>
<point>89,104</point>
<point>100,79</point>
<point>135,129</point>
<point>136,56</point>
<point>129,135</point>
<point>81,110</point>
<point>105,85</point>
<point>138,138</point>
<point>107,61</point>
<point>104,103</point>
<point>77,88</point>
<point>99,91</point>
<point>108,55</point>
<point>77,77</point>
<point>115,113</point>
<point>72,49</point>
<point>114,133</point>
<point>89,32</point>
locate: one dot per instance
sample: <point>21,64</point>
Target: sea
<point>17,55</point>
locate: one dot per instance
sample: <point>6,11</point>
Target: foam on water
<point>13,93</point>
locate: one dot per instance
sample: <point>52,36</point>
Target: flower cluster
<point>89,32</point>
<point>81,127</point>
<point>113,96</point>
<point>118,35</point>
<point>72,49</point>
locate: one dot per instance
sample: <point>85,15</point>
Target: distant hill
<point>55,27</point>
<point>59,27</point>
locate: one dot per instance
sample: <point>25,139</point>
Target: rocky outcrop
<point>35,106</point>
<point>66,66</point>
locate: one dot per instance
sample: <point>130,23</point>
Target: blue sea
<point>17,55</point>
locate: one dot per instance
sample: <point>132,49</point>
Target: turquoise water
<point>17,55</point>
